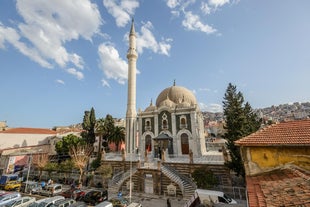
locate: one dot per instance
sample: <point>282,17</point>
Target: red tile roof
<point>28,131</point>
<point>292,133</point>
<point>282,187</point>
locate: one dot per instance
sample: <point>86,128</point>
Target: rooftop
<point>28,131</point>
<point>291,133</point>
<point>287,186</point>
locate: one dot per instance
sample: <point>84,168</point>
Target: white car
<point>46,202</point>
<point>21,202</point>
<point>51,190</point>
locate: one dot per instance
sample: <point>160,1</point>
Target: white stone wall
<point>18,140</point>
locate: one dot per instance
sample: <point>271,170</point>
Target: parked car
<point>94,197</point>
<point>46,202</point>
<point>51,190</point>
<point>12,185</point>
<point>104,204</point>
<point>33,187</point>
<point>135,205</point>
<point>6,178</point>
<point>8,197</point>
<point>76,194</point>
<point>21,202</point>
<point>119,202</point>
<point>64,203</point>
<point>78,204</point>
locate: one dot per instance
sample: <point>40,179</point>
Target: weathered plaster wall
<point>262,159</point>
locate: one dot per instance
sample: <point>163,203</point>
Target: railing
<point>183,177</point>
<point>174,177</point>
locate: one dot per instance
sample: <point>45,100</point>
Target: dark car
<point>76,194</point>
<point>95,196</point>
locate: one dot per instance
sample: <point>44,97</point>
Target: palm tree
<point>118,136</point>
<point>108,128</point>
<point>100,131</point>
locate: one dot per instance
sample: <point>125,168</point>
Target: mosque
<point>164,143</point>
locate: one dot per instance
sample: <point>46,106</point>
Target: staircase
<point>186,185</point>
<point>119,178</point>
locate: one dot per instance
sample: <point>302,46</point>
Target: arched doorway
<point>148,143</point>
<point>184,144</point>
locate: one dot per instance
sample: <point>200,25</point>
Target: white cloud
<point>173,3</point>
<point>205,8</point>
<point>218,3</point>
<point>60,81</point>
<point>123,11</point>
<point>146,40</point>
<point>77,74</point>
<point>11,36</point>
<point>105,83</point>
<point>48,25</point>
<point>113,66</point>
<point>193,22</point>
<point>204,89</point>
<point>211,107</point>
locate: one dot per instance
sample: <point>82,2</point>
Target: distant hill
<point>273,113</point>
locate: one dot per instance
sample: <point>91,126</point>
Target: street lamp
<point>29,167</point>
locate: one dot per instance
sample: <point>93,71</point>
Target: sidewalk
<point>156,200</point>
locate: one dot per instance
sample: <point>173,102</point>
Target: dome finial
<point>151,104</point>
<point>174,82</point>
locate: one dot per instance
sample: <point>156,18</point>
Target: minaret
<point>131,114</point>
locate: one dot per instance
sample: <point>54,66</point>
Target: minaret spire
<point>131,114</point>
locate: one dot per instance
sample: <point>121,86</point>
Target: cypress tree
<point>240,121</point>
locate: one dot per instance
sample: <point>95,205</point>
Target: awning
<point>162,137</point>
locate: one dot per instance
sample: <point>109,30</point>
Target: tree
<point>89,123</point>
<point>100,131</point>
<point>66,167</point>
<point>204,178</point>
<point>240,121</point>
<point>106,172</point>
<point>108,129</point>
<point>118,136</point>
<point>40,161</point>
<point>80,155</point>
<point>50,167</point>
<point>62,147</point>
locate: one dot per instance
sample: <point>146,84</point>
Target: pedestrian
<point>168,202</point>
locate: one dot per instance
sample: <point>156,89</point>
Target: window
<point>164,122</point>
<point>148,126</point>
<point>183,123</point>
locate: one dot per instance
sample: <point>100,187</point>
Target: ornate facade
<point>173,127</point>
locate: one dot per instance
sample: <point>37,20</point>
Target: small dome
<point>151,107</point>
<point>177,95</point>
<point>167,102</point>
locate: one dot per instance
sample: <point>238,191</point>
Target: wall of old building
<point>265,158</point>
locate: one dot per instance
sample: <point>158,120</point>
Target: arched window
<point>164,122</point>
<point>184,143</point>
<point>183,123</point>
<point>148,126</point>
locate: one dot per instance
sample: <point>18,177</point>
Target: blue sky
<point>59,58</point>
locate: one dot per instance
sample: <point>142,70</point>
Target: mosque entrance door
<point>162,143</point>
<point>184,144</point>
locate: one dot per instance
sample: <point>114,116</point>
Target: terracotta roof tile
<point>281,187</point>
<point>284,133</point>
<point>28,131</point>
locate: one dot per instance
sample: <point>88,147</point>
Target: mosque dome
<point>177,95</point>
